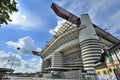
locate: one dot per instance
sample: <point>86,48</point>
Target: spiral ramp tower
<point>57,60</point>
<point>90,49</point>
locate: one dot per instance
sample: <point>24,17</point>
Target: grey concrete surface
<point>34,78</point>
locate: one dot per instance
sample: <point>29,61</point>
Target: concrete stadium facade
<point>76,47</point>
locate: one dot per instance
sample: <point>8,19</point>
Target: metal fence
<point>74,75</point>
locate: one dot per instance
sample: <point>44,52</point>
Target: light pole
<point>13,62</point>
<point>18,48</point>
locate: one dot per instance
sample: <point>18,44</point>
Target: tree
<point>7,7</point>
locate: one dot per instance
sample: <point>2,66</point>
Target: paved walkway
<point>33,78</point>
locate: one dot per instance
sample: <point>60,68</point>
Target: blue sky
<point>35,22</point>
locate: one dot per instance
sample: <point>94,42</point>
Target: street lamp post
<point>13,62</point>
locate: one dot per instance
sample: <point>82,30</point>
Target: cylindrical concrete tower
<point>90,49</point>
<point>57,60</point>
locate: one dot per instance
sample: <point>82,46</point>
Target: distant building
<point>110,69</point>
<point>76,47</point>
<point>3,73</point>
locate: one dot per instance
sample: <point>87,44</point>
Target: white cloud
<point>34,60</point>
<point>114,20</point>
<point>24,21</point>
<point>59,24</point>
<point>19,64</point>
<point>8,58</point>
<point>26,45</point>
<point>38,49</point>
<point>33,65</point>
<point>27,65</point>
<point>60,2</point>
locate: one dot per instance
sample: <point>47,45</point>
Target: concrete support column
<point>57,60</point>
<point>90,49</point>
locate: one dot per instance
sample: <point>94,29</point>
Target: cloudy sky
<point>32,27</point>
